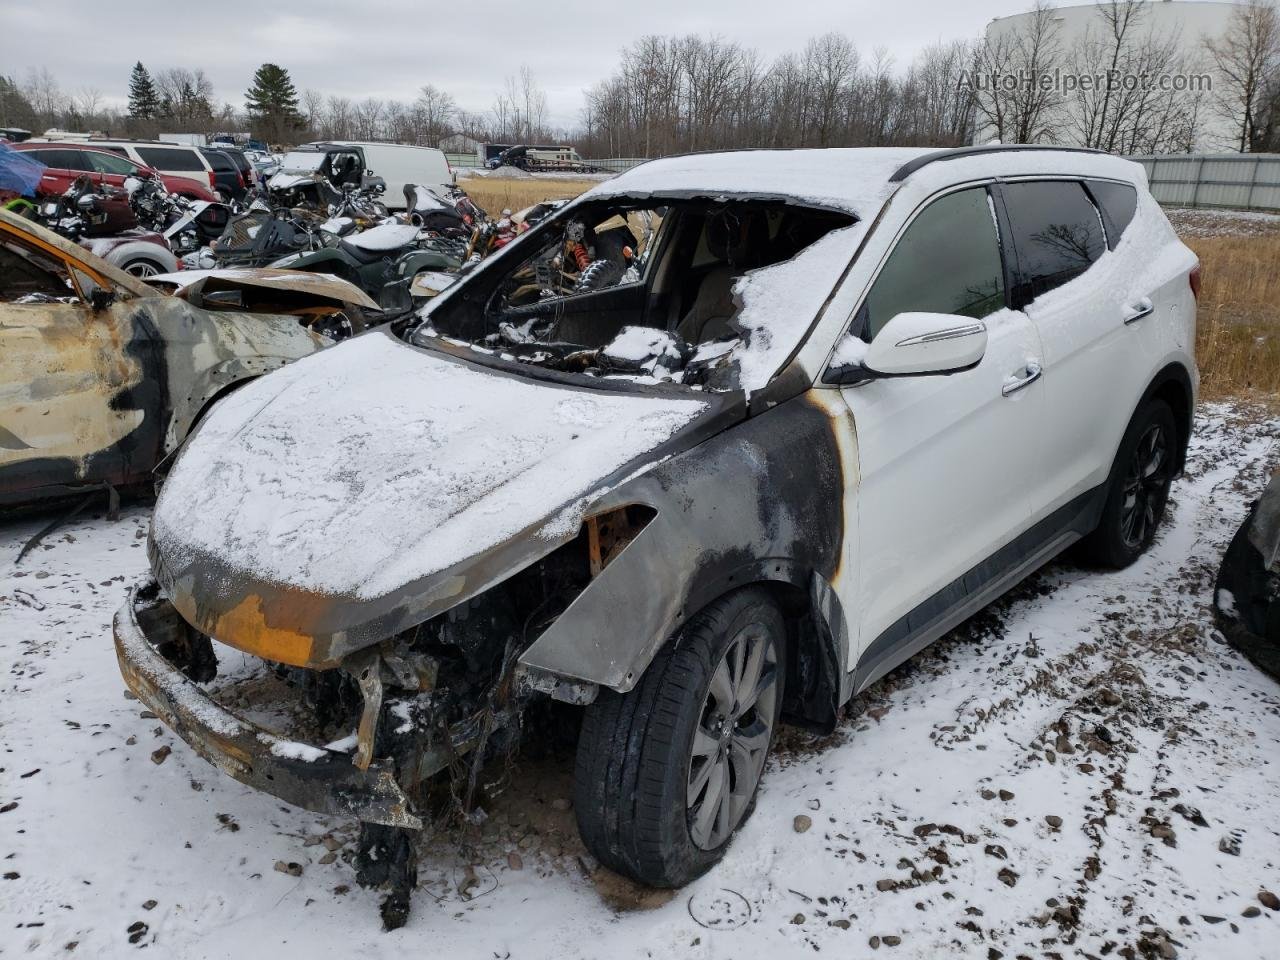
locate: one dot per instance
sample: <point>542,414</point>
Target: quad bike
<point>260,236</point>
<point>388,254</point>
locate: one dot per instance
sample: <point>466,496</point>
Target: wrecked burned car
<point>712,447</point>
<point>1247,594</point>
<point>102,376</point>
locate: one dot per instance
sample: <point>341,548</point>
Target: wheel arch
<point>1172,384</point>
<point>817,641</point>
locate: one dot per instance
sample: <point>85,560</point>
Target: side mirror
<point>917,345</point>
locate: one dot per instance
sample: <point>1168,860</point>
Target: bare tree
<point>339,119</point>
<point>1011,99</point>
<point>1247,56</point>
<point>313,107</point>
<point>45,96</point>
<point>434,113</point>
<point>186,97</point>
<point>368,118</point>
<point>88,102</point>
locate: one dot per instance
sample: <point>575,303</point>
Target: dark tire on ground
<point>1137,488</point>
<point>648,760</point>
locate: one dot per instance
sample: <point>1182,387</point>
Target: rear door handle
<point>1015,382</point>
<point>1139,309</point>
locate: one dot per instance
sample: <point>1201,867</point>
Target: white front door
<point>944,461</point>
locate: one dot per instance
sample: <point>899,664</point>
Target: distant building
<point>1191,22</point>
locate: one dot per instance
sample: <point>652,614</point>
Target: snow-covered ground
<point>1084,769</point>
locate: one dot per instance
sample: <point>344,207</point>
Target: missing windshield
<point>650,291</point>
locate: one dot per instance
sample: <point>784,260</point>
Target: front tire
<point>1138,488</point>
<point>668,771</point>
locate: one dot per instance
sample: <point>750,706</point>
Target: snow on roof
<point>854,179</point>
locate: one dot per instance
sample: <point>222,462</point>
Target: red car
<point>68,160</point>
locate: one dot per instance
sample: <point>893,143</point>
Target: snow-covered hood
<point>284,180</point>
<point>374,465</point>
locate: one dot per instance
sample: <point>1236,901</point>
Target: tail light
<point>1195,281</point>
<point>213,181</point>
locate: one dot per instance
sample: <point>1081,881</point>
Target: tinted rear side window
<point>219,161</point>
<point>1118,202</point>
<point>1057,234</point>
<point>947,261</point>
<point>166,158</point>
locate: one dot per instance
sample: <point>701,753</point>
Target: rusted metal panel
<point>194,285</point>
<point>91,397</point>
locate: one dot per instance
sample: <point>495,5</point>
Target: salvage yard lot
<point>1083,769</point>
<point>1067,774</point>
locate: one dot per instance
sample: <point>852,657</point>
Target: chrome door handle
<point>1139,309</point>
<point>1030,375</point>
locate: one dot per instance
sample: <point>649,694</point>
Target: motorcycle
<point>186,224</point>
<point>87,210</point>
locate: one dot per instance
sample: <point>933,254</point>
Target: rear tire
<point>1138,488</point>
<point>667,772</point>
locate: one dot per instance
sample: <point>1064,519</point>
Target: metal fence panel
<point>1248,181</point>
<point>1243,181</point>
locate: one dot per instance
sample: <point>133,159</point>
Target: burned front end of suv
<point>406,542</point>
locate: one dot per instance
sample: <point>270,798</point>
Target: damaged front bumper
<point>149,640</point>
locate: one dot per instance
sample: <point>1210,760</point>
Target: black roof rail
<point>958,153</point>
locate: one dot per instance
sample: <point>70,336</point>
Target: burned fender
<point>763,502</point>
<point>209,383</point>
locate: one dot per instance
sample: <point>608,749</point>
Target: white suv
<point>715,445</point>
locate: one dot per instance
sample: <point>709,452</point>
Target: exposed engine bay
<point>636,289</point>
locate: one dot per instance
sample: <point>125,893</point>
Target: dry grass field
<point>493,194</point>
<point>1238,343</point>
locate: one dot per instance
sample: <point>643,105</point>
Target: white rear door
<point>1094,368</point>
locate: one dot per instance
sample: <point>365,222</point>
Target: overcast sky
<point>389,48</point>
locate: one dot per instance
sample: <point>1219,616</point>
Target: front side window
<point>109,163</point>
<point>947,261</point>
<point>1057,234</point>
<point>167,158</point>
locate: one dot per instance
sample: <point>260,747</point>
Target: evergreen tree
<point>15,109</point>
<point>144,102</point>
<point>272,102</point>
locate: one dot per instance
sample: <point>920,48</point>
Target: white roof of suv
<point>854,179</point>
